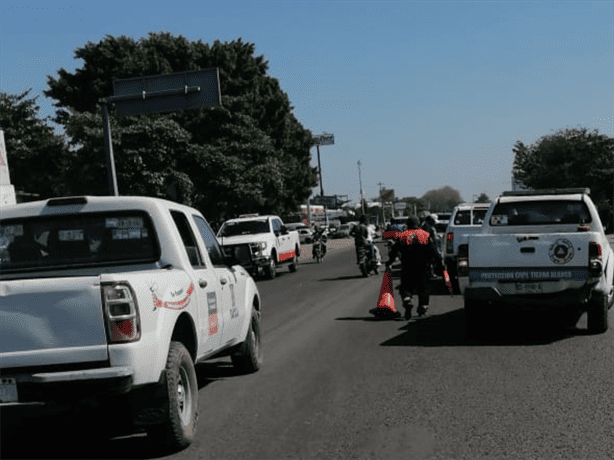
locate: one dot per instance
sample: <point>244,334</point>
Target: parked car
<point>343,231</point>
<point>305,235</point>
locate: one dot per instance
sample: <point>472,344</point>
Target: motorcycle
<point>319,251</point>
<point>367,261</point>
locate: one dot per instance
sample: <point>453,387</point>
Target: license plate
<point>8,390</point>
<point>529,288</point>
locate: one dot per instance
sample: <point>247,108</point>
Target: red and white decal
<point>286,255</point>
<point>177,304</point>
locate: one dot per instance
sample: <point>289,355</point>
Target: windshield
<point>79,239</point>
<point>248,227</point>
<point>540,213</point>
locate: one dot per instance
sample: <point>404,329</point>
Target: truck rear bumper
<point>69,385</point>
<point>575,296</point>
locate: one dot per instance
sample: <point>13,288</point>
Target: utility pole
<point>382,200</point>
<point>362,201</point>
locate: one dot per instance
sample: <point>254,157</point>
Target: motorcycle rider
<point>360,233</point>
<point>318,237</point>
<point>417,250</point>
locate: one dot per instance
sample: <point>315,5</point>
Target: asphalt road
<point>338,384</point>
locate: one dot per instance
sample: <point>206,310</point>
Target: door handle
<point>223,280</point>
<point>202,283</point>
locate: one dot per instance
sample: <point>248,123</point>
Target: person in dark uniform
<point>417,251</point>
<point>429,226</point>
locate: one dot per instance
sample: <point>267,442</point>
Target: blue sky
<point>424,94</point>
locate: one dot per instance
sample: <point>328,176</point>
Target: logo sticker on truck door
<point>212,307</point>
<point>561,251</point>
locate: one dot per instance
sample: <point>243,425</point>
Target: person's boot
<point>407,304</point>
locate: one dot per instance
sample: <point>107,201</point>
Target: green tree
<point>483,198</point>
<point>250,154</point>
<point>570,157</point>
<point>36,154</point>
<point>442,199</point>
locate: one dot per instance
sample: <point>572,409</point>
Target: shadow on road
<point>448,329</point>
<point>62,432</point>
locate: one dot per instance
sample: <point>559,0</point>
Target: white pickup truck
<point>466,219</point>
<point>261,243</point>
<point>540,249</point>
<point>111,301</point>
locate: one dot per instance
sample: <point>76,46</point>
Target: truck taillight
<point>595,264</point>
<point>450,243</point>
<point>463,260</point>
<point>121,312</point>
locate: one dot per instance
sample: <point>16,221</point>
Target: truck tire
<point>248,357</point>
<point>294,264</point>
<point>271,270</point>
<point>597,314</point>
<point>182,391</point>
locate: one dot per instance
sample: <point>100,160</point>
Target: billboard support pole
<point>108,144</point>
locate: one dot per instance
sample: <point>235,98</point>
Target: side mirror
<point>284,230</point>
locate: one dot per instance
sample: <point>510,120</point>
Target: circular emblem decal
<point>561,251</point>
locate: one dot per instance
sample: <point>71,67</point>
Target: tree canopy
<point>248,155</point>
<point>483,198</point>
<point>36,154</point>
<point>442,199</point>
<point>570,157</point>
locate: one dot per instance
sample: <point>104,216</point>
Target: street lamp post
<point>322,139</point>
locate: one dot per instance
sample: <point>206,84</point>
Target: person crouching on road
<point>417,251</point>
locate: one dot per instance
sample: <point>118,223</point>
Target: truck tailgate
<point>51,321</point>
<point>517,257</point>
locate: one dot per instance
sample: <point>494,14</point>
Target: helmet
<point>413,222</point>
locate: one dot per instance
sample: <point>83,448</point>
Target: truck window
<point>187,237</point>
<point>248,227</point>
<point>208,237</point>
<point>463,218</point>
<point>76,240</point>
<point>540,213</point>
<point>478,216</point>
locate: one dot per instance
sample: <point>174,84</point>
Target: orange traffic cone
<point>385,305</point>
<point>446,278</point>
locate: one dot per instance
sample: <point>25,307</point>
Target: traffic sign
<point>192,89</point>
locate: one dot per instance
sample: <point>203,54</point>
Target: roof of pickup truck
<point>85,204</point>
<point>567,197</point>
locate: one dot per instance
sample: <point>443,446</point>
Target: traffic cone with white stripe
<point>385,305</point>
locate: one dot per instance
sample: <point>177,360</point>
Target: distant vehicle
<point>466,220</point>
<point>266,238</point>
<point>305,235</point>
<point>441,222</point>
<point>343,231</point>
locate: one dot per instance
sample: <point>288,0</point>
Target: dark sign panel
<point>163,93</point>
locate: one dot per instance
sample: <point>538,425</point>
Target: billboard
<point>192,89</point>
<point>387,195</point>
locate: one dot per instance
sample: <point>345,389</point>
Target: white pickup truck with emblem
<point>111,301</point>
<point>261,243</point>
<point>539,249</point>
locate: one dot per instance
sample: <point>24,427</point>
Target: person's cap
<point>413,222</point>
